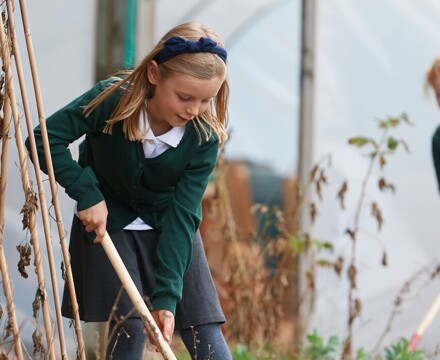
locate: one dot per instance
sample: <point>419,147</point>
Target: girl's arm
<point>178,229</point>
<point>63,128</point>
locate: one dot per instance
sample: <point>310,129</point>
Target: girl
<point>152,137</point>
<point>433,81</point>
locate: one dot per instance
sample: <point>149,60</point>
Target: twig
<point>398,303</point>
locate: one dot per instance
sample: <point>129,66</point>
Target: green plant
<point>242,352</point>
<point>400,351</point>
<point>183,356</point>
<point>318,349</point>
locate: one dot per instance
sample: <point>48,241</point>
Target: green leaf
<point>393,122</point>
<point>323,262</point>
<point>359,141</point>
<point>392,143</point>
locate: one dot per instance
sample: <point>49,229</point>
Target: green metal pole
<point>130,33</point>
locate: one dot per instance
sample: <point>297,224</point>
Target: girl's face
<point>178,99</point>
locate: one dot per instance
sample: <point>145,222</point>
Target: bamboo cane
<point>52,181</point>
<point>426,321</point>
<point>136,298</point>
<point>9,89</point>
<point>7,288</point>
<point>43,206</point>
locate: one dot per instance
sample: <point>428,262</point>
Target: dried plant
<point>25,252</point>
<point>30,207</point>
<point>38,344</point>
<point>36,305</point>
<point>253,290</point>
<point>9,325</point>
<point>63,271</point>
<point>36,335</point>
<point>2,100</point>
<point>253,293</point>
<point>378,153</point>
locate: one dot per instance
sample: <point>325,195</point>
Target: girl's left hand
<point>165,321</point>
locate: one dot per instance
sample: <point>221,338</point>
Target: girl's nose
<point>192,110</point>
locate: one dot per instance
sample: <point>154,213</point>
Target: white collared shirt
<point>154,146</point>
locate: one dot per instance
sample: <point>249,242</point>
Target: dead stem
<point>400,300</point>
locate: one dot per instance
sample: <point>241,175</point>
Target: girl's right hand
<point>94,219</point>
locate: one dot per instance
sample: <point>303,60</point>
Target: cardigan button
<point>141,165</point>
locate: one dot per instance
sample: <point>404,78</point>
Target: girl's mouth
<point>183,119</point>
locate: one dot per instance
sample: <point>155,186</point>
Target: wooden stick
<point>53,184</point>
<point>426,321</point>
<point>35,161</point>
<point>136,298</point>
<point>9,88</point>
<point>7,288</point>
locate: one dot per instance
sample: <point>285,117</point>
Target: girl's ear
<point>153,72</point>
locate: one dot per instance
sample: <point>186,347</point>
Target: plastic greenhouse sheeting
<point>371,58</point>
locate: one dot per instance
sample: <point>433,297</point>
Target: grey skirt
<point>97,286</point>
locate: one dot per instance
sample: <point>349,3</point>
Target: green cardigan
<point>165,191</point>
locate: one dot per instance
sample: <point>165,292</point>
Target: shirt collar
<point>171,138</point>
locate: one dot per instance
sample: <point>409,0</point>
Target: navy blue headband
<point>176,45</point>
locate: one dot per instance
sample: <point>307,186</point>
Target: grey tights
<point>203,342</point>
<point>206,342</point>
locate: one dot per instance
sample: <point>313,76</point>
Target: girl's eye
<point>183,98</point>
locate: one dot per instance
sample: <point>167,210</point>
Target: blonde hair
<point>137,88</point>
<point>432,74</point>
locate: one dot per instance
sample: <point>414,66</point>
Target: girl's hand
<point>95,219</point>
<point>165,321</point>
